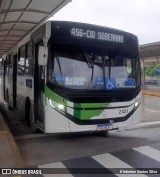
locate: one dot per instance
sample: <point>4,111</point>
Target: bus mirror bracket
<point>42,55</point>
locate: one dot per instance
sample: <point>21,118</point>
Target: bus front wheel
<point>31,119</point>
<point>7,100</point>
<point>104,133</point>
<point>30,116</point>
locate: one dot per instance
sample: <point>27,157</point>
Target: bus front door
<point>14,81</point>
<point>39,83</point>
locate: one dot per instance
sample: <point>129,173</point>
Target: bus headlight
<point>56,105</point>
<point>61,107</point>
<point>137,103</point>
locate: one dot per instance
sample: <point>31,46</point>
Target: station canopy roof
<point>20,17</point>
<point>150,50</point>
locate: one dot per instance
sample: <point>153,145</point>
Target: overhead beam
<point>12,18</point>
<point>6,12</point>
<point>24,10</point>
<point>16,30</point>
<point>19,22</point>
<point>28,5</point>
<point>11,35</point>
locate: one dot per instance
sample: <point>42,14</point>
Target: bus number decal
<point>83,33</point>
<point>123,111</point>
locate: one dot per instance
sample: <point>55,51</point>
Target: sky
<point>140,17</point>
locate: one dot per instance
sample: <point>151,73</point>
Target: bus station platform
<point>9,154</point>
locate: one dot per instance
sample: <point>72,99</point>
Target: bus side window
<point>8,63</point>
<point>6,71</point>
<point>29,66</point>
<point>10,66</point>
<point>21,61</point>
<point>29,60</point>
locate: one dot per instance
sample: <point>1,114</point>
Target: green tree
<point>151,69</point>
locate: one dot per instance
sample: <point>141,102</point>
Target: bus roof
<point>91,26</point>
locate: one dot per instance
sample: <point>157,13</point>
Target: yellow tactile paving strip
<point>5,131</point>
<point>151,93</point>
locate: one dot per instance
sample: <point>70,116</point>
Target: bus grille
<point>95,99</point>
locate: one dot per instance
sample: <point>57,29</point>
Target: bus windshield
<point>89,67</point>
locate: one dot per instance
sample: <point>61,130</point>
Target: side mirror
<point>42,55</point>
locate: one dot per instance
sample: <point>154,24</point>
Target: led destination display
<point>90,34</point>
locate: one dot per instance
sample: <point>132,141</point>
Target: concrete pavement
<point>10,156</point>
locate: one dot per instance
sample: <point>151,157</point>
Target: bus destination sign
<point>90,34</point>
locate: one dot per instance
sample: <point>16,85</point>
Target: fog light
<point>137,103</point>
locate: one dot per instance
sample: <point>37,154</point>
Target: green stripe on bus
<point>51,95</point>
<point>87,114</point>
<point>91,105</point>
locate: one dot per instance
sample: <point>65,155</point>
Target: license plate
<point>104,127</point>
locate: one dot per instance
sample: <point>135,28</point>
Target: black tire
<point>29,115</point>
<point>27,109</point>
<point>104,133</point>
<point>31,120</point>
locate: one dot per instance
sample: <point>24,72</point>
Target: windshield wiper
<point>60,69</point>
<point>88,58</point>
<point>109,69</point>
<point>89,61</point>
<point>111,63</point>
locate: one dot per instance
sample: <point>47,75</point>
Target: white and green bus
<point>74,77</point>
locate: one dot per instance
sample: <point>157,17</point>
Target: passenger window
<point>29,66</point>
<point>21,61</point>
<point>10,66</point>
<point>29,60</point>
